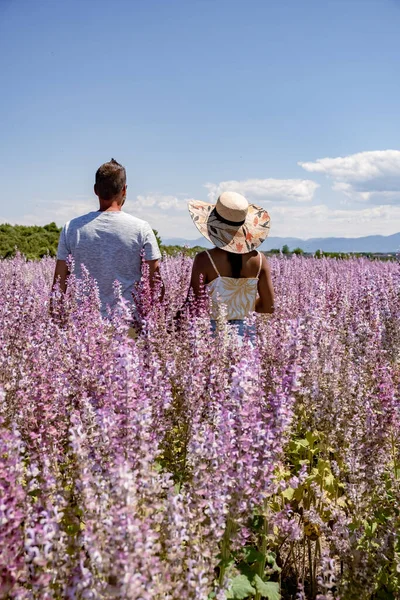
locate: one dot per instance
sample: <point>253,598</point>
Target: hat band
<point>227,222</point>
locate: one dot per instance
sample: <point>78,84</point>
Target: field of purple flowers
<point>180,466</point>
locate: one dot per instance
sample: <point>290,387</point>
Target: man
<point>108,242</point>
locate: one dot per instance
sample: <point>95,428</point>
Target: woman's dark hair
<point>235,260</point>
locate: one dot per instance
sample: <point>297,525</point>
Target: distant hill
<point>370,243</point>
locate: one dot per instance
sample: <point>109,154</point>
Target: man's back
<point>110,245</point>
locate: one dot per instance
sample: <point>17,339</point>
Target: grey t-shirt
<point>109,244</point>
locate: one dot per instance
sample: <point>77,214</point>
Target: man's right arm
<point>61,271</point>
<point>60,275</point>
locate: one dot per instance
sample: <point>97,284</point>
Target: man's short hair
<point>110,180</point>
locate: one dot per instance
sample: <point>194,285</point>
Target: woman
<point>234,272</point>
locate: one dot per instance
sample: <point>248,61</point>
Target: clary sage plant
<point>181,465</point>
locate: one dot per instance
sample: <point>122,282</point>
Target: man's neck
<point>110,206</point>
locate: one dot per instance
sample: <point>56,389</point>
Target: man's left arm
<point>152,257</point>
<point>155,275</point>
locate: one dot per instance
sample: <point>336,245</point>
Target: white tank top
<point>238,294</point>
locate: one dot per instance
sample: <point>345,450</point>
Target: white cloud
<point>59,211</point>
<point>169,224</point>
<point>368,177</point>
<point>159,201</point>
<point>362,166</point>
<point>166,213</point>
<point>374,197</point>
<point>322,221</point>
<point>363,177</point>
<point>303,221</point>
<point>267,190</point>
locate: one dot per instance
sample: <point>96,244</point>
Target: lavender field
<point>181,466</point>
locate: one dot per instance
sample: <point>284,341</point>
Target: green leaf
<point>247,570</point>
<point>240,588</point>
<point>271,562</point>
<point>303,443</point>
<point>72,528</point>
<point>329,481</point>
<point>323,466</point>
<point>252,555</point>
<point>288,493</point>
<point>298,493</point>
<point>268,589</point>
<point>257,522</point>
<point>311,437</point>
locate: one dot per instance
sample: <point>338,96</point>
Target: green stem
<point>183,468</point>
<point>317,551</point>
<point>264,546</point>
<point>394,456</point>
<point>303,574</point>
<point>225,550</point>
<point>289,554</point>
<point>312,574</point>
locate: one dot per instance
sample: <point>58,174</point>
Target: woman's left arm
<point>265,301</point>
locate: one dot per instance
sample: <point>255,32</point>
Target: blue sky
<point>293,103</point>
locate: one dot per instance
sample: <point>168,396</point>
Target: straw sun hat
<point>232,223</point>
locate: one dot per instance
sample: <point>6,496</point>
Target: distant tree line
<point>323,254</point>
<point>33,241</point>
<point>286,250</point>
<point>175,250</point>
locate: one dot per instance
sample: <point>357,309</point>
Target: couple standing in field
<point>110,243</point>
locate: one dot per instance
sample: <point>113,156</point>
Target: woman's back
<point>233,281</point>
<point>234,273</point>
<point>219,261</point>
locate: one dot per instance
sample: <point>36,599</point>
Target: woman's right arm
<point>196,279</point>
<point>199,274</point>
<point>265,301</point>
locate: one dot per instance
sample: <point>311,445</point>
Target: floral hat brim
<point>237,239</point>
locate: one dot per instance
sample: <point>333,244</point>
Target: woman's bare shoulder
<point>201,258</point>
<point>251,257</point>
<point>201,255</point>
